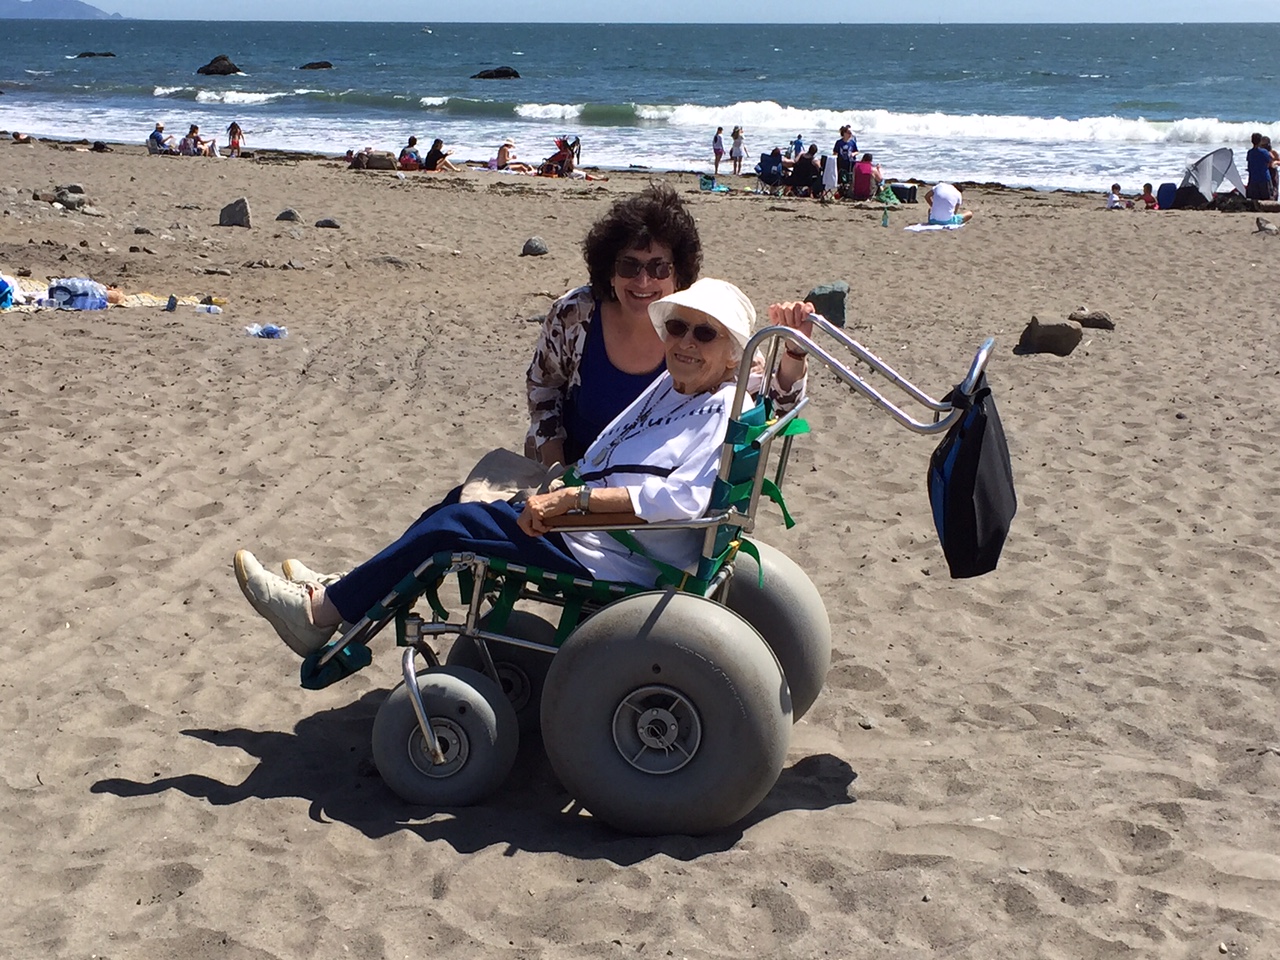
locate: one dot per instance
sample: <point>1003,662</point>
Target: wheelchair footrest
<point>352,657</point>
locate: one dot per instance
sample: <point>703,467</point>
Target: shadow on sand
<point>326,761</point>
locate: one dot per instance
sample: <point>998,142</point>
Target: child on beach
<point>1117,202</point>
<point>737,151</point>
<point>235,137</point>
<point>1148,198</point>
<point>717,148</point>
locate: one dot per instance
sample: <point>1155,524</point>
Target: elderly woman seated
<point>656,461</point>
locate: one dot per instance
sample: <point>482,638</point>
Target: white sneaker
<point>283,603</point>
<point>299,572</point>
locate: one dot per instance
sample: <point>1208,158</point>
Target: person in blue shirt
<point>846,152</point>
<point>1261,173</point>
<point>159,143</point>
<point>797,146</point>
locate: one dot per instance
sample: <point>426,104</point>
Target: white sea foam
<point>434,101</point>
<point>166,91</point>
<point>549,111</point>
<point>237,96</point>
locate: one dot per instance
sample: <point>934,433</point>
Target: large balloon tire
<point>474,724</point>
<point>666,713</point>
<point>789,613</point>
<point>521,671</point>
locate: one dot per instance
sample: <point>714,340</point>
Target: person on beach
<point>944,206</point>
<point>1148,199</point>
<point>410,158</point>
<point>867,178</point>
<point>738,150</point>
<point>674,430</point>
<point>1258,162</point>
<point>1275,166</point>
<point>806,174</point>
<point>235,139</point>
<point>596,350</point>
<point>845,152</point>
<point>437,158</point>
<point>157,142</point>
<point>717,149</point>
<point>507,158</point>
<point>797,146</point>
<point>194,145</point>
<point>1115,201</point>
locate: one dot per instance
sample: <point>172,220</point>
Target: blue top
<point>1259,162</point>
<point>845,149</point>
<point>603,392</point>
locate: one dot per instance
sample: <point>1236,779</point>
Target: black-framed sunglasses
<point>629,267</point>
<point>702,332</point>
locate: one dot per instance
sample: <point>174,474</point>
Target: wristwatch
<point>584,499</point>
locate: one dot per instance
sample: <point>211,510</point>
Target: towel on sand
<point>920,227</point>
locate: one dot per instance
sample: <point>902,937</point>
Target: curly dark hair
<point>655,214</point>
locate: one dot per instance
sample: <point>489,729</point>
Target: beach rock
<point>1050,336</point>
<point>219,66</point>
<point>292,265</point>
<point>91,211</point>
<point>71,188</point>
<point>235,214</point>
<point>142,231</point>
<point>497,73</point>
<point>90,53</point>
<point>72,201</point>
<point>828,299</point>
<point>290,214</point>
<point>1265,226</point>
<point>534,247</point>
<point>317,65</point>
<point>1096,319</point>
<point>329,223</point>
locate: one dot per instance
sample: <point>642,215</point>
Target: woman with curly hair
<point>597,350</point>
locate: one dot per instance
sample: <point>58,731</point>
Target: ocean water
<point>1045,106</point>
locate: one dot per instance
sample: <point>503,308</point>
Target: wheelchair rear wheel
<point>666,713</point>
<point>474,724</point>
<point>790,615</point>
<point>521,672</point>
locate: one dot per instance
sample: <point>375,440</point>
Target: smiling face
<point>696,366</point>
<point>637,292</point>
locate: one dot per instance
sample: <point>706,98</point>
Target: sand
<point>1076,756</point>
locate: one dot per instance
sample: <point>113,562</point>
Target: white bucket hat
<point>718,299</point>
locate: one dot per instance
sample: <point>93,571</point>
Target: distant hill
<point>52,10</point>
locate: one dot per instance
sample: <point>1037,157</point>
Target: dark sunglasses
<point>629,267</point>
<point>703,332</point>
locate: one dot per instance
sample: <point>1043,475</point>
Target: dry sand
<point>1073,757</point>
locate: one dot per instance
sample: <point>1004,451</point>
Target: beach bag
<point>905,192</point>
<point>970,485</point>
<point>6,294</point>
<point>505,475</point>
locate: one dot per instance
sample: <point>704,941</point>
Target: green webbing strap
<point>752,551</point>
<point>737,492</point>
<point>669,576</point>
<point>502,607</point>
<point>568,619</point>
<point>466,585</point>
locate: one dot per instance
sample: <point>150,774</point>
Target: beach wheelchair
<point>662,710</point>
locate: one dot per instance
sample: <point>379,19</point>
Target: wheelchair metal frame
<point>413,631</point>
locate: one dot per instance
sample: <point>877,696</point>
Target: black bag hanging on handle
<point>971,485</point>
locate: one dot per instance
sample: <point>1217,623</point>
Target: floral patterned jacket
<point>558,355</point>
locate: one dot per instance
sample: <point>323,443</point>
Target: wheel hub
<point>657,729</point>
<point>453,744</point>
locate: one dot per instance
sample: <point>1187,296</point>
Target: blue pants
<point>489,529</point>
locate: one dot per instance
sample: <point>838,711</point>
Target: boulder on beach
<point>317,65</point>
<point>219,66</point>
<point>236,214</point>
<point>497,73</point>
<point>1050,336</point>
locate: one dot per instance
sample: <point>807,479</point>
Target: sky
<point>707,11</point>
